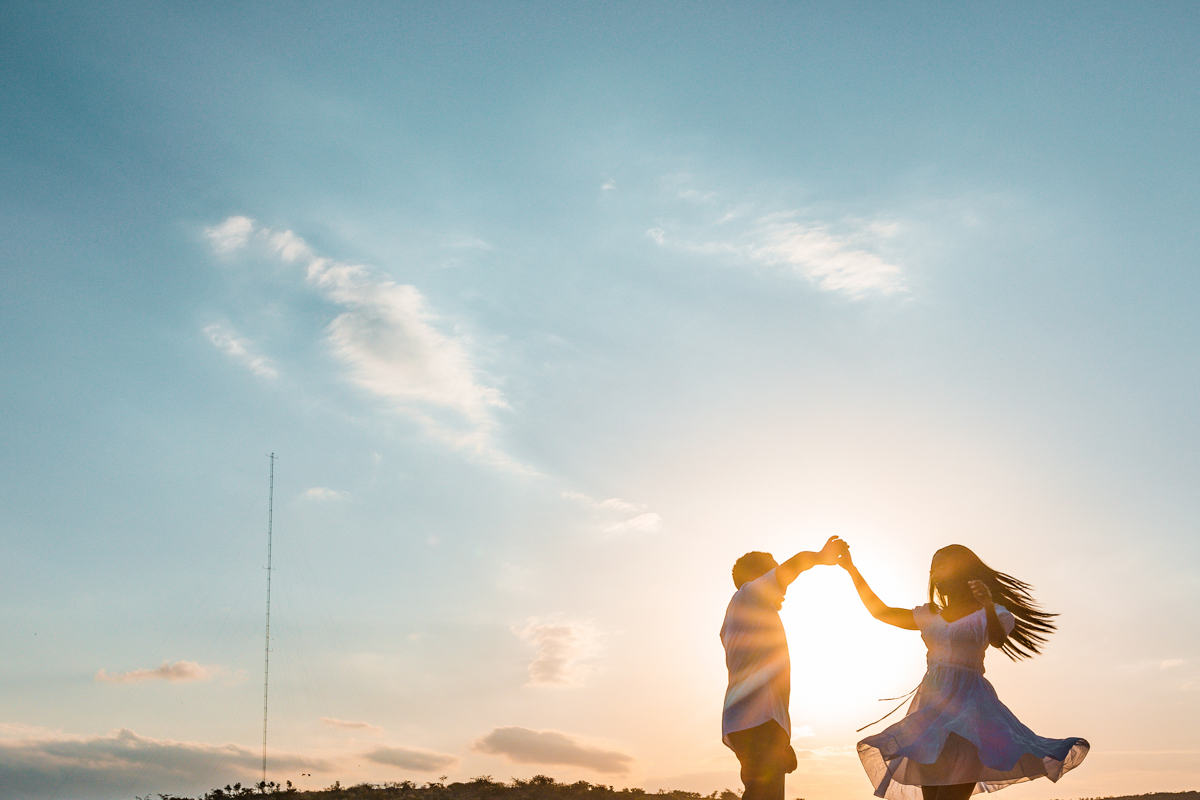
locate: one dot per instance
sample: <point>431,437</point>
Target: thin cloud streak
<point>350,725</point>
<point>525,746</point>
<point>840,261</point>
<point>228,342</point>
<point>835,263</point>
<point>407,758</point>
<point>322,493</point>
<point>615,516</point>
<point>179,672</point>
<point>648,522</point>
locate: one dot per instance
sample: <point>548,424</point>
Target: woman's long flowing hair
<point>1033,624</point>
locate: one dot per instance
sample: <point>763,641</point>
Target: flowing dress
<point>957,730</point>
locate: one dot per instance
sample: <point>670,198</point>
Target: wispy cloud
<point>696,196</point>
<point>641,523</point>
<point>836,263</point>
<point>525,746</point>
<point>230,235</point>
<point>322,493</point>
<point>122,763</point>
<point>561,648</point>
<point>393,350</point>
<point>388,338</point>
<point>348,725</point>
<point>615,516</point>
<point>416,760</point>
<point>179,672</point>
<point>240,350</point>
<point>842,258</point>
<point>472,243</point>
<point>289,246</point>
<point>1146,664</point>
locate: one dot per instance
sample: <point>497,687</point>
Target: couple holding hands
<point>957,738</point>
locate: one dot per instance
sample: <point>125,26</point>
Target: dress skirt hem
<point>901,778</point>
<point>957,731</point>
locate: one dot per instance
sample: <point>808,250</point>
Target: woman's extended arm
<point>900,617</point>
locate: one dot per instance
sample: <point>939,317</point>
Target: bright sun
<point>843,661</point>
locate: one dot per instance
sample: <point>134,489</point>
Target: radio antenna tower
<point>267,648</point>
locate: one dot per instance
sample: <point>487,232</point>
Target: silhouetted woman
<point>958,738</point>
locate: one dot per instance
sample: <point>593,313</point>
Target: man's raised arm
<point>789,570</point>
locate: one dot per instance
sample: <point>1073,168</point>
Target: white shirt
<point>756,653</point>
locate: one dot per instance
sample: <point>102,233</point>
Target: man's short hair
<point>752,565</point>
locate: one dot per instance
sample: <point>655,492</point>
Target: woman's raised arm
<point>900,617</point>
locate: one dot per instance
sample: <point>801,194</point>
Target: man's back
<point>756,654</point>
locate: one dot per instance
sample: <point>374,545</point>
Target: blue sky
<point>551,311</point>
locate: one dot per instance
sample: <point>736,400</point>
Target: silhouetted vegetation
<point>1151,796</point>
<point>539,787</point>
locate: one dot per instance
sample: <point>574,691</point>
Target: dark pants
<point>766,756</point>
<point>959,791</point>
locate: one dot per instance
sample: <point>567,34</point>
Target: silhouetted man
<point>756,724</point>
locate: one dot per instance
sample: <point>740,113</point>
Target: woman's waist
<point>943,663</point>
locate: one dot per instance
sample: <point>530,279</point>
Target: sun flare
<point>843,661</point>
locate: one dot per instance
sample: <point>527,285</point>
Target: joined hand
<point>833,551</point>
<point>844,561</point>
